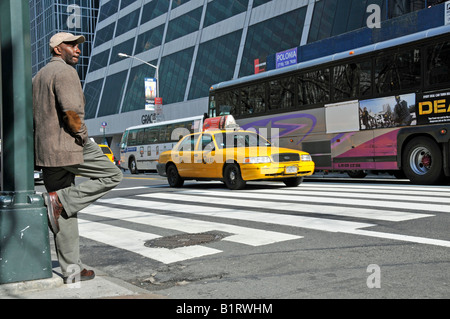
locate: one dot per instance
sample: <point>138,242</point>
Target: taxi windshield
<point>240,139</point>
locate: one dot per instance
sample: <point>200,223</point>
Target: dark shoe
<point>83,276</point>
<point>54,210</point>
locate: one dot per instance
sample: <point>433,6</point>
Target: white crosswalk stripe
<point>285,203</point>
<point>134,241</point>
<point>311,206</point>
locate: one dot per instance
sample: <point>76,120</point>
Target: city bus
<point>381,107</point>
<point>141,145</point>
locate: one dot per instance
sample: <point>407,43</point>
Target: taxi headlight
<point>257,160</point>
<point>305,158</point>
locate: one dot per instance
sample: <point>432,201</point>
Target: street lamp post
<point>123,55</point>
<point>24,239</point>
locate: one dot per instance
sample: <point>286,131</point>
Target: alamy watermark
<point>74,19</point>
<point>73,280</point>
<point>374,279</point>
<point>374,19</point>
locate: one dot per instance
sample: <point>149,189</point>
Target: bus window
<point>282,93</point>
<point>164,134</point>
<point>397,71</point>
<point>212,107</point>
<point>178,131</point>
<point>253,99</point>
<point>351,80</point>
<point>152,136</point>
<point>140,137</point>
<point>314,87</point>
<point>132,138</point>
<point>123,143</point>
<point>228,102</point>
<point>438,63</point>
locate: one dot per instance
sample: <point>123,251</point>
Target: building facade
<point>197,43</point>
<point>48,17</point>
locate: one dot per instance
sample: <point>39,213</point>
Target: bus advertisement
<point>141,145</point>
<point>381,107</point>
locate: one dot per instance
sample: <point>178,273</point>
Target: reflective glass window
<point>135,94</point>
<point>216,60</point>
<point>352,80</point>
<point>105,34</point>
<point>257,3</point>
<point>184,24</point>
<point>334,17</point>
<point>98,61</point>
<point>124,47</point>
<point>126,3</point>
<point>154,9</point>
<point>177,3</point>
<point>281,93</point>
<point>438,63</point>
<point>219,10</point>
<point>270,36</point>
<point>174,73</point>
<point>92,92</point>
<point>108,9</point>
<point>128,22</point>
<point>112,93</point>
<point>149,39</point>
<point>397,70</point>
<point>253,100</point>
<point>314,87</point>
<point>228,102</point>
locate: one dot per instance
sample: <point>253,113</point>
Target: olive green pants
<point>103,176</point>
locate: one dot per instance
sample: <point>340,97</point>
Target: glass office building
<point>197,43</point>
<point>48,17</point>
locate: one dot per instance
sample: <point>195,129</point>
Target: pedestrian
<point>64,150</point>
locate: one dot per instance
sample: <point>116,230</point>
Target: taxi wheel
<point>232,177</point>
<point>173,177</point>
<point>293,182</point>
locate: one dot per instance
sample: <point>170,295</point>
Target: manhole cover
<point>183,240</point>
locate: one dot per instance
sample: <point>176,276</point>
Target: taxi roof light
<point>220,123</point>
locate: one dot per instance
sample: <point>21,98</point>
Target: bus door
<point>385,149</point>
<point>123,150</point>
<point>352,144</point>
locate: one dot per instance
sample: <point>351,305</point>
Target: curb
<point>18,288</point>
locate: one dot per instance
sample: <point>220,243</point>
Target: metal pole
<point>24,237</point>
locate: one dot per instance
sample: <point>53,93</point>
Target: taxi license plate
<point>291,170</point>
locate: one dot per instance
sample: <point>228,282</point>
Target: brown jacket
<point>58,108</point>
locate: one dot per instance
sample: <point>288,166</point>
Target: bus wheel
<point>173,177</point>
<point>132,166</point>
<point>232,177</point>
<point>293,181</point>
<point>422,161</point>
<point>357,174</point>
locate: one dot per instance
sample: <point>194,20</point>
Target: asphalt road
<point>328,238</point>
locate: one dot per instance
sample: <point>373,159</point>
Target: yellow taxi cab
<point>234,157</point>
<point>107,151</point>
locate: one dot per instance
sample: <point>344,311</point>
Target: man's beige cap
<point>61,37</point>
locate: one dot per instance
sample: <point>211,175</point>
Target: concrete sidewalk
<point>102,286</point>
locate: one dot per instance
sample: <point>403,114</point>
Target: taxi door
<point>205,158</point>
<point>184,156</point>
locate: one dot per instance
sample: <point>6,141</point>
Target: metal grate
<point>285,157</point>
